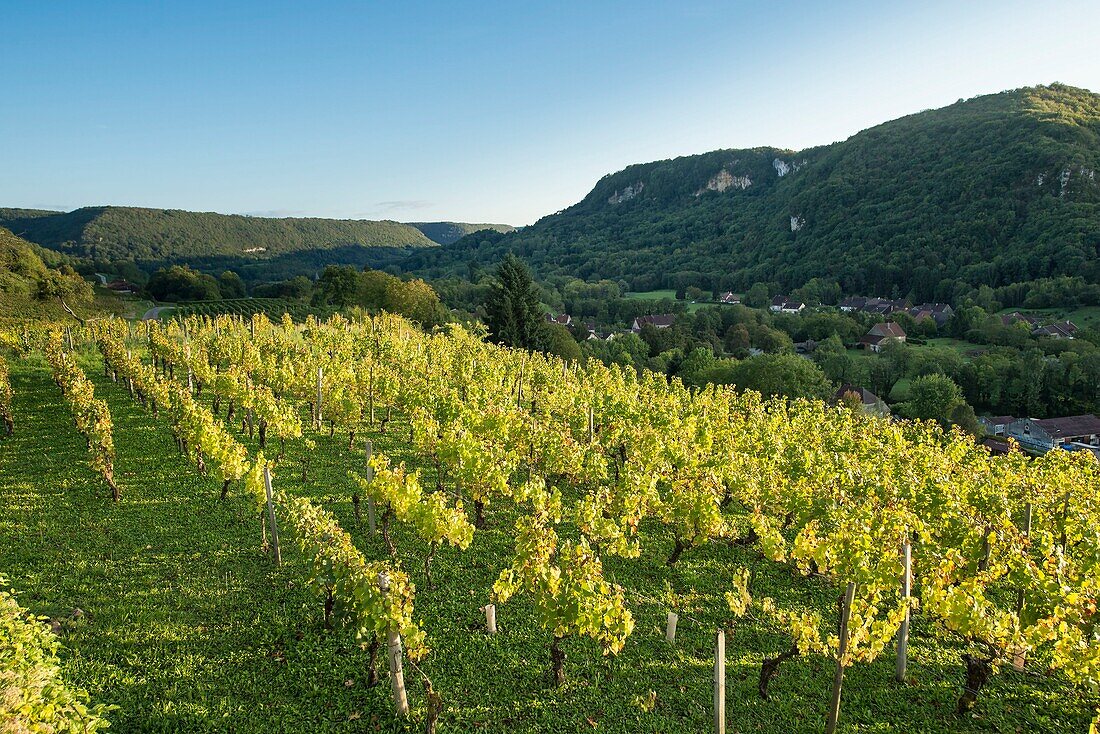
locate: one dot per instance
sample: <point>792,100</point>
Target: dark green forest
<point>994,190</point>
<point>258,248</point>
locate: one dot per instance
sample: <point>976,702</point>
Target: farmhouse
<point>659,321</point>
<point>562,319</point>
<point>1042,434</point>
<point>882,334</point>
<point>729,297</point>
<point>782,304</point>
<point>941,313</point>
<point>1060,330</point>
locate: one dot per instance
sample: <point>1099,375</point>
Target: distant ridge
<point>446,233</point>
<point>259,248</point>
<point>143,234</point>
<point>994,190</point>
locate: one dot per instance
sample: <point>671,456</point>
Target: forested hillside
<point>132,233</point>
<point>993,190</point>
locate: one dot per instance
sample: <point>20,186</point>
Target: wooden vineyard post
<point>490,618</point>
<point>190,377</point>
<point>670,627</point>
<point>271,517</point>
<point>1019,655</point>
<point>317,408</point>
<point>394,658</point>
<point>130,377</point>
<point>69,337</point>
<point>842,653</point>
<point>720,682</point>
<point>370,500</point>
<point>906,591</point>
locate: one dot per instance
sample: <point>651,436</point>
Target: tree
<point>64,285</point>
<point>781,374</point>
<point>181,283</point>
<point>559,342</point>
<point>338,286</point>
<point>231,285</point>
<point>933,397</point>
<point>757,296</point>
<point>512,307</point>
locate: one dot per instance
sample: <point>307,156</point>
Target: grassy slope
<point>189,628</point>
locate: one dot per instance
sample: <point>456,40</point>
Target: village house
<point>882,334</point>
<point>1016,317</point>
<point>941,313</point>
<point>1039,435</point>
<point>782,304</point>
<point>881,306</point>
<point>122,286</point>
<point>602,336</point>
<point>871,403</point>
<point>658,321</point>
<point>1060,330</point>
<point>729,297</point>
<point>562,320</point>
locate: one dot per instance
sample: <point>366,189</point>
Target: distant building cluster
<point>1039,435</point>
<point>941,313</point>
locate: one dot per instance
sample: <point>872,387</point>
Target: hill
<point>993,190</point>
<point>25,279</point>
<point>259,248</point>
<point>446,233</point>
<point>121,233</point>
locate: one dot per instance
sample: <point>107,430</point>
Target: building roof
<point>998,420</point>
<point>887,329</point>
<point>1009,319</point>
<point>1070,426</point>
<point>935,307</point>
<point>658,320</point>
<point>1060,328</point>
<point>865,396</point>
<point>998,446</point>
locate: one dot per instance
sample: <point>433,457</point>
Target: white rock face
<point>797,223</point>
<point>626,194</point>
<point>1063,181</point>
<point>782,168</point>
<point>723,181</point>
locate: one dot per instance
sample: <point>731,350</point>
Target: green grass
<point>188,627</point>
<point>670,295</point>
<point>959,345</point>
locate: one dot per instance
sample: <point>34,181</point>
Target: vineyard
<point>234,523</point>
<point>272,308</point>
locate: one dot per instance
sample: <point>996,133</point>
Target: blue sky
<point>484,111</point>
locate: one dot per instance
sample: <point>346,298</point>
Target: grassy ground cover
<point>186,626</point>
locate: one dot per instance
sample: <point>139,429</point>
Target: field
<point>668,295</point>
<point>1084,317</point>
<point>187,626</point>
